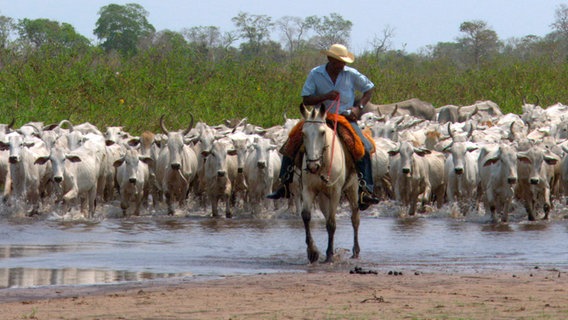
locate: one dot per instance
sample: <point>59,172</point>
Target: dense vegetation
<point>172,76</point>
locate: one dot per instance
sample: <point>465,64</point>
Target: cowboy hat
<point>339,52</point>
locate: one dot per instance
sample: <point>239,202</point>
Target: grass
<point>107,90</point>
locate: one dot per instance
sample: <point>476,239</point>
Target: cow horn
<point>394,110</point>
<point>163,126</point>
<point>512,132</point>
<point>474,112</point>
<point>11,124</point>
<point>186,131</point>
<point>470,131</point>
<point>243,121</point>
<point>450,130</point>
<point>68,123</point>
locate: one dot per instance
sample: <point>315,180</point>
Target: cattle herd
<point>468,156</point>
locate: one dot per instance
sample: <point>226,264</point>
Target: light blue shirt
<point>348,82</point>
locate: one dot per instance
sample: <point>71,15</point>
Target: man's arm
<point>315,100</point>
<point>357,111</point>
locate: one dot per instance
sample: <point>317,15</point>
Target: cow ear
<point>147,160</point>
<point>134,142</point>
<point>524,159</point>
<point>4,146</point>
<point>73,158</point>
<point>550,160</point>
<point>41,160</point>
<point>29,144</point>
<point>393,152</point>
<point>421,151</point>
<point>490,161</point>
<point>232,152</point>
<point>118,162</point>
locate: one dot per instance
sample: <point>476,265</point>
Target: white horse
<point>324,150</point>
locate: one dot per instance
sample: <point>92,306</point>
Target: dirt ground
<point>530,294</point>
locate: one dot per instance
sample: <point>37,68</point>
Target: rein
<point>336,102</point>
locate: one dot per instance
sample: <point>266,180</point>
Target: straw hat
<point>339,52</point>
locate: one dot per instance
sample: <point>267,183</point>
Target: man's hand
<point>332,95</point>
<point>354,114</point>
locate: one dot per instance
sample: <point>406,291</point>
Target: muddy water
<point>64,250</point>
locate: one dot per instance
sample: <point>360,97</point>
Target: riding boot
<point>286,176</point>
<point>365,173</point>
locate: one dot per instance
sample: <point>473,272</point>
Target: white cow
<point>76,174</point>
<point>28,182</point>
<point>148,147</point>
<point>133,177</point>
<point>203,142</point>
<point>261,171</point>
<point>5,180</point>
<point>497,164</point>
<point>380,163</point>
<point>416,176</point>
<point>535,169</point>
<point>461,171</point>
<point>220,170</point>
<point>176,167</point>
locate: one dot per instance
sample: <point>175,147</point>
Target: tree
<point>561,20</point>
<point>120,28</point>
<point>204,37</point>
<point>293,30</point>
<point>40,32</point>
<point>7,26</point>
<point>479,41</point>
<point>255,28</point>
<point>330,29</point>
<point>382,43</point>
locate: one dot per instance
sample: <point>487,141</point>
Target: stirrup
<point>282,192</point>
<point>365,197</point>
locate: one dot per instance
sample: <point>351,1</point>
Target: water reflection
<point>498,227</point>
<point>409,224</point>
<point>31,277</point>
<point>533,226</point>
<point>35,252</point>
<point>16,251</point>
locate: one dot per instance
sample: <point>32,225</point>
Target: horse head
<point>314,136</point>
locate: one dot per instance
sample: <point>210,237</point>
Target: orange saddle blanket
<point>344,130</point>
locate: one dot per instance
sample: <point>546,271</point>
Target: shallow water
<point>64,250</point>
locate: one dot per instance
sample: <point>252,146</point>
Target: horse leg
<point>330,224</point>
<point>355,219</point>
<point>313,254</point>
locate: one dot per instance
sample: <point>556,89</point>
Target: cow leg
<point>138,202</point>
<point>215,206</point>
<point>547,203</point>
<point>530,210</point>
<point>493,210</point>
<point>169,202</point>
<point>228,202</point>
<point>412,206</point>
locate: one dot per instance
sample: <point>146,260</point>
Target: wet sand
<point>534,293</point>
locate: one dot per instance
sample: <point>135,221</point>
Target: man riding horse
<point>331,83</point>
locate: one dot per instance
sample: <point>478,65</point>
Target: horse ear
<point>322,109</point>
<point>303,111</point>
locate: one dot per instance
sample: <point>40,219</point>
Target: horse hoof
<point>313,256</point>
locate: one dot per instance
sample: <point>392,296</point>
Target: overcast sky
<point>416,23</point>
